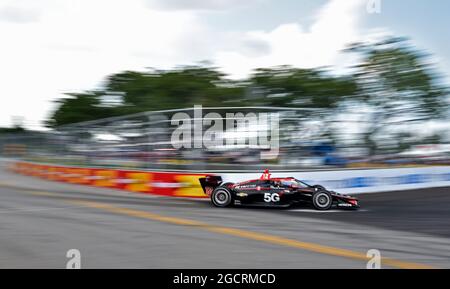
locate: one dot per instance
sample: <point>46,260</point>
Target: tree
<point>78,107</point>
<point>315,90</point>
<point>398,84</point>
<point>183,87</point>
<point>17,126</point>
<point>393,84</point>
<point>150,91</point>
<point>305,88</point>
<point>16,129</point>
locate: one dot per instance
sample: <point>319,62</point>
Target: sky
<point>51,47</point>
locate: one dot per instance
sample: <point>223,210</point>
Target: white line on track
<point>324,212</point>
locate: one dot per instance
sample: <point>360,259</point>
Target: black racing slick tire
<point>222,197</point>
<point>226,185</point>
<point>322,200</point>
<point>319,188</point>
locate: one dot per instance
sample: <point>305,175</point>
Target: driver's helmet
<point>276,183</point>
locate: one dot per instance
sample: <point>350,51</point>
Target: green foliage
<point>399,83</point>
<point>186,87</point>
<point>78,107</point>
<point>149,91</point>
<point>392,78</point>
<point>307,88</point>
<point>396,78</point>
<point>16,129</point>
<point>159,90</point>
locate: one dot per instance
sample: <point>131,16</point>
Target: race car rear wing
<point>210,183</point>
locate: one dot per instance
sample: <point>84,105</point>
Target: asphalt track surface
<point>41,220</point>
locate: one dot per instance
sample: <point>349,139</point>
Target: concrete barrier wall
<point>367,181</point>
<point>160,183</point>
<point>179,184</point>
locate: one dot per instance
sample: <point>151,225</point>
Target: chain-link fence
<point>301,141</point>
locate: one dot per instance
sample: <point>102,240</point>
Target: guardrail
<point>179,184</point>
<point>367,180</point>
<point>160,183</point>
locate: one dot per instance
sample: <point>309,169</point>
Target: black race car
<point>273,192</point>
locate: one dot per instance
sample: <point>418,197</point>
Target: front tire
<point>221,197</point>
<point>319,188</point>
<point>322,200</point>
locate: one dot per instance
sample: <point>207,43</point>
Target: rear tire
<point>322,200</point>
<point>221,197</point>
<point>226,185</point>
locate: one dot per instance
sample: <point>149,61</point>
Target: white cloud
<point>18,15</point>
<point>75,44</point>
<point>335,26</point>
<point>19,11</point>
<point>72,45</point>
<point>197,4</point>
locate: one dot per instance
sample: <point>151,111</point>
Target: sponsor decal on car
<point>242,195</point>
